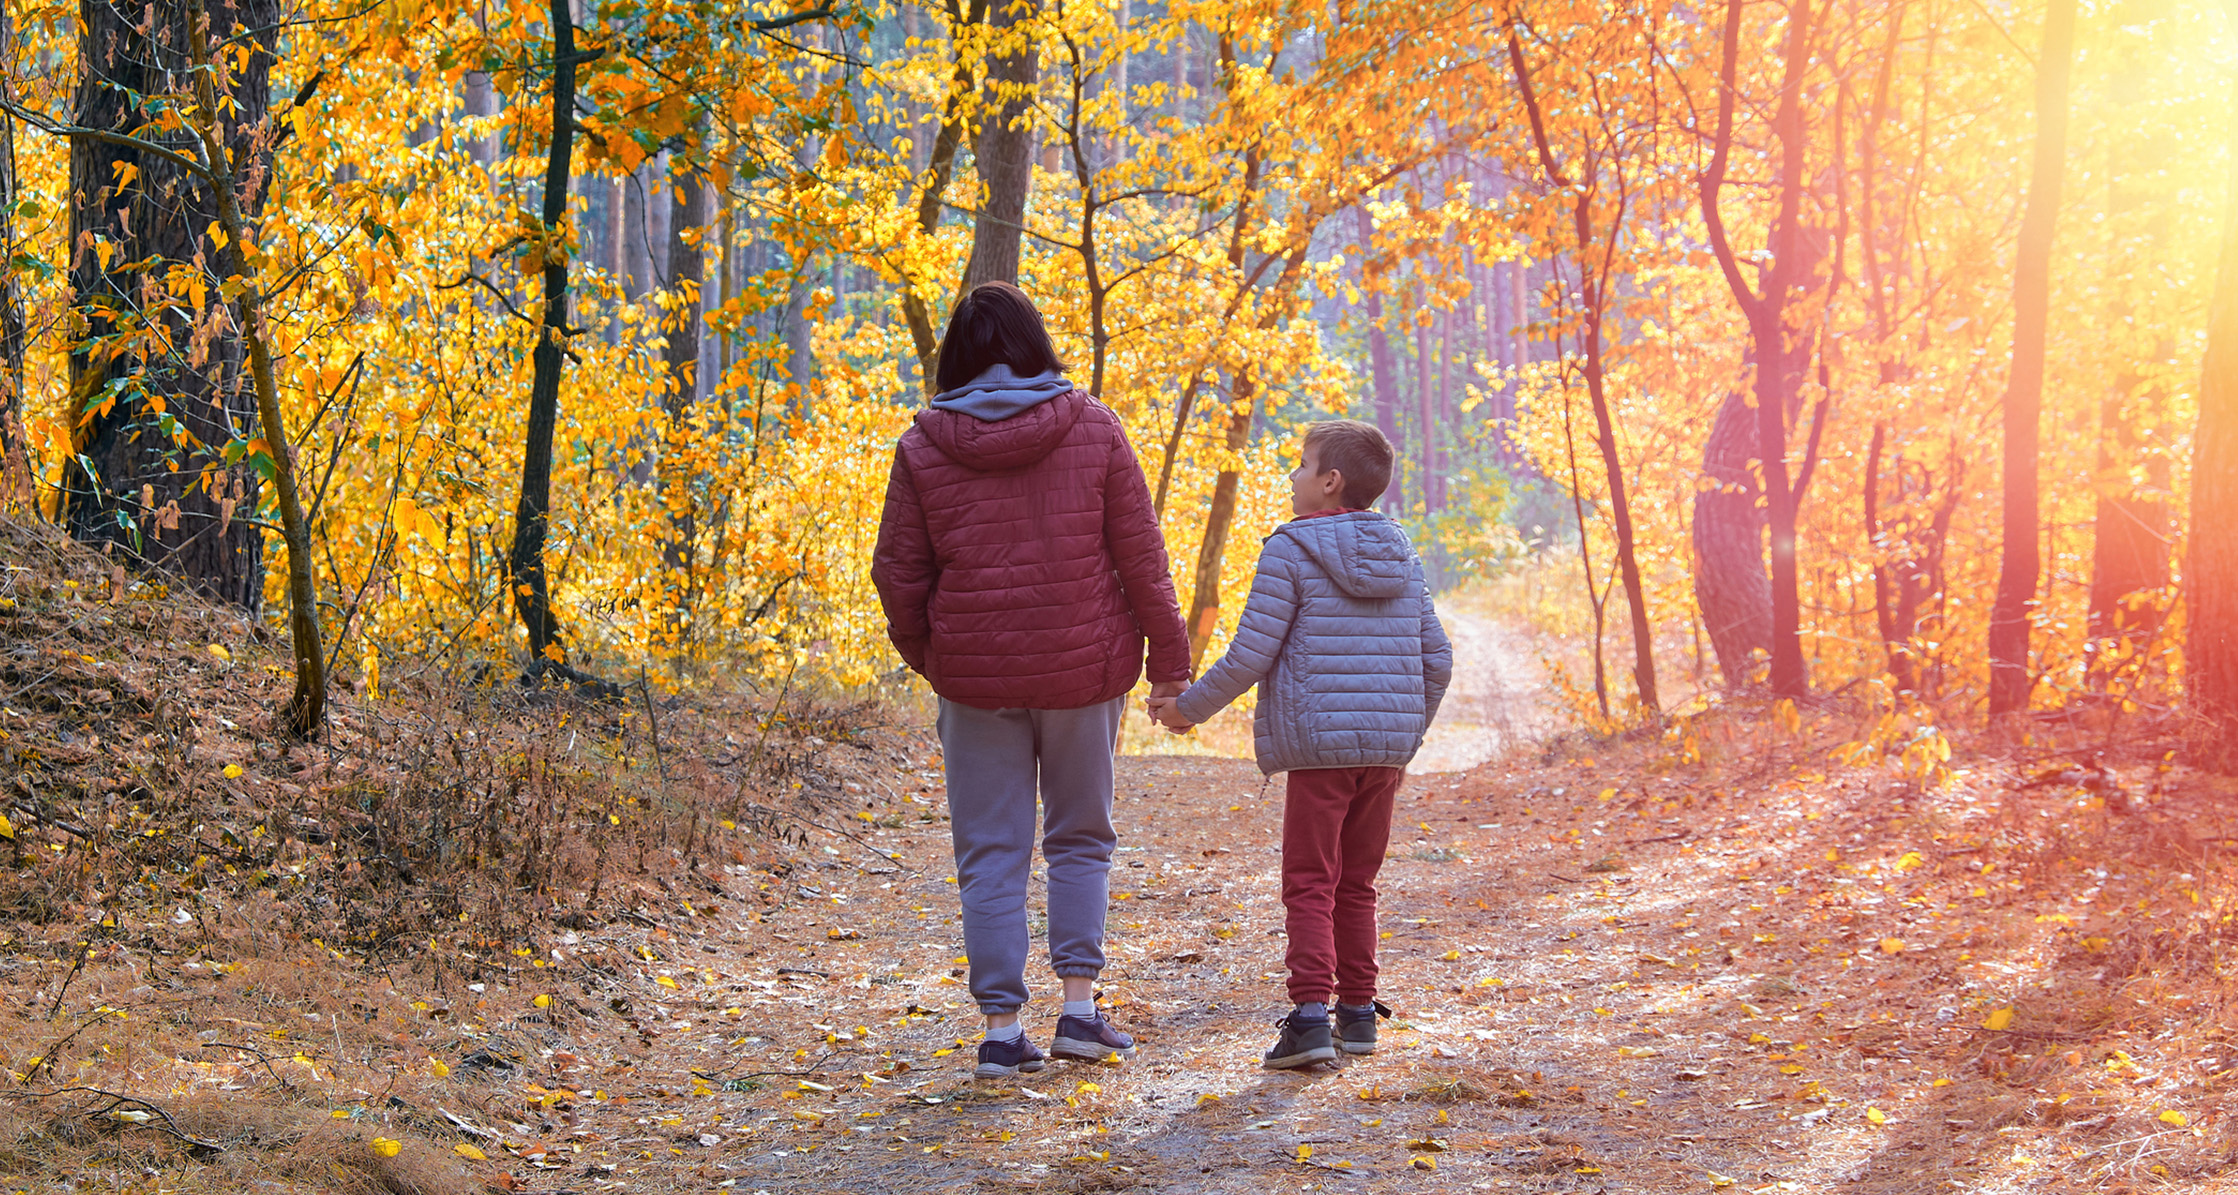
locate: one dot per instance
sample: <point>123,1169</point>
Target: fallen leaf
<point>470,1153</point>
<point>387,1147</point>
<point>2001,1019</point>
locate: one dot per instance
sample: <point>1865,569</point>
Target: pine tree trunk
<point>2211,568</point>
<point>1006,151</point>
<point>2010,618</point>
<point>17,492</point>
<point>1426,449</point>
<point>687,256</point>
<point>1382,371</point>
<point>133,502</point>
<point>1730,584</point>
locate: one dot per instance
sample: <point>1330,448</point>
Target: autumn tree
<point>16,488</point>
<point>2010,679</point>
<point>1598,185</point>
<point>2211,573</point>
<point>524,564</point>
<point>1780,341</point>
<point>1005,153</point>
<point>168,468</point>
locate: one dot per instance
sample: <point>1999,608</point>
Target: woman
<point>1021,569</point>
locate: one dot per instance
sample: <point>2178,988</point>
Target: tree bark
<point>1593,297</point>
<point>158,425</point>
<point>524,565</point>
<point>1204,601</point>
<point>18,495</point>
<point>1730,584</point>
<point>1778,351</point>
<point>1425,416</point>
<point>1382,370</point>
<point>1006,148</point>
<point>687,282</point>
<point>2009,620</point>
<point>2211,571</point>
<point>940,168</point>
<point>306,709</point>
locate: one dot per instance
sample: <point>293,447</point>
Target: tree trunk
<point>2211,571</point>
<point>1382,370</point>
<point>637,247</point>
<point>940,168</point>
<point>481,102</point>
<point>687,282</point>
<point>1426,458</point>
<point>1730,584</point>
<point>18,495</point>
<point>532,597</point>
<point>1006,148</point>
<point>306,709</point>
<point>1778,351</point>
<point>2129,549</point>
<point>2009,619</point>
<point>159,491</point>
<point>1204,602</point>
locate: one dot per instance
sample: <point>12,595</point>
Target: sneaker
<point>1356,1026</point>
<point>1090,1039</point>
<point>1302,1043</point>
<point>1002,1059</point>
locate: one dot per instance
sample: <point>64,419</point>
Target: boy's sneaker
<point>1302,1043</point>
<point>1356,1026</point>
<point>1090,1039</point>
<point>1002,1059</point>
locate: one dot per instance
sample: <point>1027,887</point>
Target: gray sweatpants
<point>995,761</point>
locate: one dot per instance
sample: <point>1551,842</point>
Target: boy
<point>1350,661</point>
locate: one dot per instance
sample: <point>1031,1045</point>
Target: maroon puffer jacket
<point>1019,561</point>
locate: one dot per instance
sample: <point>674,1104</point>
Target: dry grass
<point>262,953</point>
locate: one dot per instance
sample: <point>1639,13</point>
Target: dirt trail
<point>1568,1019</point>
<point>1497,699</point>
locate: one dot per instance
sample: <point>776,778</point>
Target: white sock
<point>1011,1032</point>
<point>1085,1009</point>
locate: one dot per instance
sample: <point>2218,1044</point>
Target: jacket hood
<point>999,393</point>
<point>998,445</point>
<point>1364,553</point>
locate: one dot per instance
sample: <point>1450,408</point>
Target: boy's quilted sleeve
<point>1437,653</point>
<point>1267,616</point>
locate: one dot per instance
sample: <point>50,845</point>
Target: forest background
<point>1770,341</point>
<point>1837,394</point>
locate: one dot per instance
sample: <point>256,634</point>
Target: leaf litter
<point>1838,975</point>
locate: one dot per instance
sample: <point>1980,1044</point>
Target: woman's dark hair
<point>996,324</point>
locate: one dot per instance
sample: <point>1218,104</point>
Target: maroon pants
<point>1336,823</point>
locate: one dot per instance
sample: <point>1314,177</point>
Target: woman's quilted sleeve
<point>903,567</point>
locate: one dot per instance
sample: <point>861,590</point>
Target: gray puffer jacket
<point>1341,638</point>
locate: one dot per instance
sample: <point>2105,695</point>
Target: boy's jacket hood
<point>1364,553</point>
<point>1001,445</point>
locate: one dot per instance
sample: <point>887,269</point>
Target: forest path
<point>1497,698</point>
<point>1562,1023</point>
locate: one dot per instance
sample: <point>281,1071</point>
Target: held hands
<point>1164,706</point>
